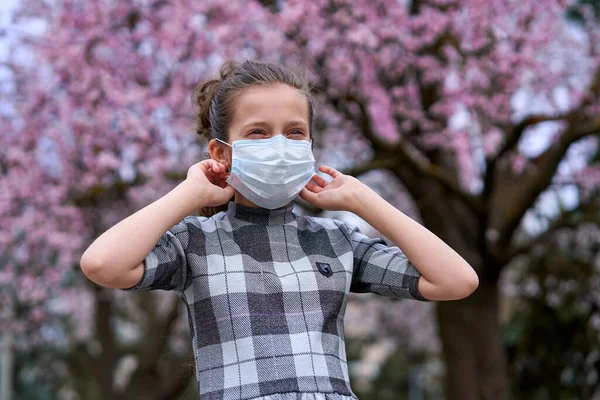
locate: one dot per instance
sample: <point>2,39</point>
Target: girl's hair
<point>214,99</point>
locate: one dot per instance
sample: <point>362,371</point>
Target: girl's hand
<point>339,194</point>
<point>208,178</point>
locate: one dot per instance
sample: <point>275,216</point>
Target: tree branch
<point>567,219</point>
<point>97,193</point>
<point>388,157</point>
<point>512,139</point>
<point>515,132</point>
<point>531,186</point>
<point>272,5</point>
<point>387,161</point>
<point>363,120</point>
<point>435,173</point>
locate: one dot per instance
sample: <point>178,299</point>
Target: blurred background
<point>480,119</point>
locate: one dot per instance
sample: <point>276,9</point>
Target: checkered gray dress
<point>266,291</point>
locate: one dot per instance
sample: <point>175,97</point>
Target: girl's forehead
<point>277,102</point>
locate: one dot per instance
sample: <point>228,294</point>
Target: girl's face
<point>261,112</point>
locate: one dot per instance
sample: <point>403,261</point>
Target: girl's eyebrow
<point>266,124</point>
<point>255,123</point>
<point>297,122</point>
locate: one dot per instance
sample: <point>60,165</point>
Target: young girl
<point>266,289</point>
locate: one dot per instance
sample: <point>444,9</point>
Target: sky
<point>10,30</point>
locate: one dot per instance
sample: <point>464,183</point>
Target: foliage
<point>554,335</point>
<point>443,94</point>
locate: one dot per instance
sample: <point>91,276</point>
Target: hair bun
<point>202,97</point>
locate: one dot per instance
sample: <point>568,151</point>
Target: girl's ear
<point>219,152</point>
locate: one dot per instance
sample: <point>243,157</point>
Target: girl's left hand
<point>339,194</point>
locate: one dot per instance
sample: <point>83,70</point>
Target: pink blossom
<point>118,93</point>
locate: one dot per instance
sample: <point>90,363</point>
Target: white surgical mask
<point>270,172</point>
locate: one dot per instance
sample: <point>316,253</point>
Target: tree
<point>554,332</point>
<point>427,90</point>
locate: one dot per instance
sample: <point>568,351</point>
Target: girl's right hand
<point>209,178</point>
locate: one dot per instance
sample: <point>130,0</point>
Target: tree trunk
<point>476,367</point>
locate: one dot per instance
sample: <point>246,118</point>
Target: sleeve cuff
<point>413,285</point>
<point>142,279</point>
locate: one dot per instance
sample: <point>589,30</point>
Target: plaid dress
<point>266,292</point>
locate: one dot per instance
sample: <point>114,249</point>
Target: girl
<point>266,289</point>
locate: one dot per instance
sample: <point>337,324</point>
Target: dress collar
<point>261,216</point>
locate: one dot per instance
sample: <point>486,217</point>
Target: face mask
<point>270,172</point>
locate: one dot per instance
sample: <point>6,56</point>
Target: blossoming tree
<point>441,93</point>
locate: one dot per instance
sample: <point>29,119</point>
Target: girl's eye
<point>296,132</point>
<point>256,132</point>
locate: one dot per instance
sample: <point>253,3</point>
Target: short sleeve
<point>165,267</point>
<point>382,269</point>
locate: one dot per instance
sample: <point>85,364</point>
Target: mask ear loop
<point>219,140</point>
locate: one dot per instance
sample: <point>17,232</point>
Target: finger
<point>202,163</point>
<point>222,168</point>
<point>230,191</point>
<point>211,176</point>
<point>319,180</point>
<point>309,196</point>
<point>312,187</point>
<point>221,182</point>
<point>206,165</point>
<point>223,196</point>
<point>217,167</point>
<point>215,176</point>
<point>330,171</point>
<point>209,163</point>
<point>222,178</point>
